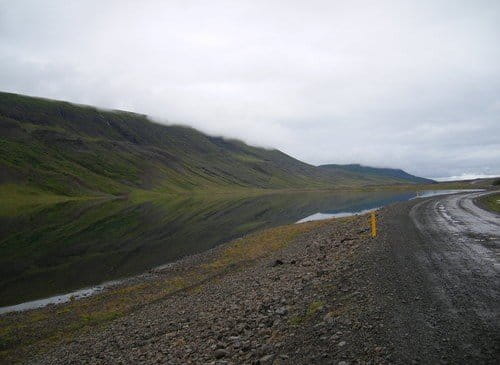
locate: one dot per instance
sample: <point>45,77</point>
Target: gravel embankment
<point>248,316</point>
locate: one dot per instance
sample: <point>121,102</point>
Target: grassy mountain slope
<point>69,149</point>
<point>378,172</point>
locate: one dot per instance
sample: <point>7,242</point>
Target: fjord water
<point>60,248</point>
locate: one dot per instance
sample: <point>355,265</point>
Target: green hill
<point>67,149</point>
<point>378,172</point>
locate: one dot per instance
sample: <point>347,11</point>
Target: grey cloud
<point>399,83</point>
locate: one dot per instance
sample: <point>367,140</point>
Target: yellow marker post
<point>374,224</point>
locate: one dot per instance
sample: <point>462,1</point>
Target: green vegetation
<point>492,202</point>
<point>310,311</point>
<point>19,199</point>
<point>387,173</point>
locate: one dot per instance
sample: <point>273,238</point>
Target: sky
<point>407,84</point>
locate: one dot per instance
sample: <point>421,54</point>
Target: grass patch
<point>99,317</point>
<point>314,307</point>
<point>20,199</point>
<point>491,202</point>
<point>260,244</point>
<point>310,311</point>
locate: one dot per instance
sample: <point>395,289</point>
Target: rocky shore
<point>255,313</point>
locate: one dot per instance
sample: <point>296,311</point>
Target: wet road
<point>459,220</point>
<point>462,252</point>
<point>437,270</point>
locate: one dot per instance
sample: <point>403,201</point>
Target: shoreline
<point>17,202</point>
<point>256,298</point>
<point>155,272</point>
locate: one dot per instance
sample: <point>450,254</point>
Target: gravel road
<point>440,260</point>
<point>462,254</point>
<point>426,290</point>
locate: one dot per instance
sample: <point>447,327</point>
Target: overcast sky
<point>410,84</point>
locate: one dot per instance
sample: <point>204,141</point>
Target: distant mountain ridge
<point>71,149</point>
<point>378,171</point>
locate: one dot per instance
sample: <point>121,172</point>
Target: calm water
<point>65,247</point>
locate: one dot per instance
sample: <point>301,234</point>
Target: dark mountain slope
<point>73,149</point>
<point>367,171</point>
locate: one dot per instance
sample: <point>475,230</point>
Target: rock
<point>245,347</point>
<point>265,349</point>
<point>277,263</point>
<point>342,343</point>
<point>266,360</point>
<point>329,318</point>
<point>170,335</point>
<point>281,311</point>
<point>220,353</point>
<point>344,320</point>
<point>321,273</point>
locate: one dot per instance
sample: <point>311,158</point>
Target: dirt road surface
<point>440,259</point>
